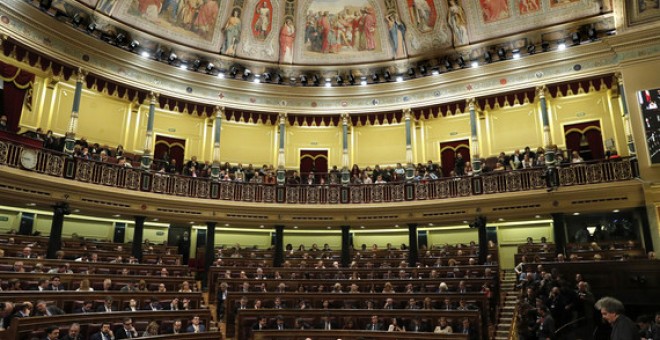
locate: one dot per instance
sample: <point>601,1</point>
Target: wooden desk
<point>318,334</point>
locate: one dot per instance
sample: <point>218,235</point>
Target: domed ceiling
<point>322,32</point>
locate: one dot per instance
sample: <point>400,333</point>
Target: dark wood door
<point>448,151</point>
<point>168,148</point>
<point>586,138</point>
<point>314,160</point>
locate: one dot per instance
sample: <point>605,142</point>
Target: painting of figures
<point>528,6</point>
<point>262,20</point>
<point>495,10</point>
<point>287,38</point>
<point>341,27</point>
<point>423,14</point>
<point>192,22</point>
<point>555,3</point>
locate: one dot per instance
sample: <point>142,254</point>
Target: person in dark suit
<point>153,305</point>
<point>375,324</point>
<point>279,323</point>
<point>52,333</point>
<point>176,328</point>
<point>466,328</point>
<point>220,303</point>
<point>327,324</point>
<point>87,307</point>
<point>107,306</point>
<point>55,284</point>
<point>546,324</point>
<point>126,331</point>
<point>42,285</point>
<point>262,323</point>
<point>196,326</point>
<point>73,334</point>
<point>44,310</point>
<point>104,334</point>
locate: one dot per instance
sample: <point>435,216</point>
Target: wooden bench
<point>318,334</point>
<point>72,281</point>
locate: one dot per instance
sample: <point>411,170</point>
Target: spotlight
<point>488,58</point>
<point>246,74</point>
<point>172,57</point>
<point>363,81</point>
<point>422,70</point>
<point>233,71</point>
<point>257,79</point>
<point>531,48</point>
<point>91,27</point>
<point>340,80</point>
<point>501,53</point>
<point>435,71</point>
<point>461,62</point>
<point>315,80</point>
<point>210,68</point>
<point>561,45</point>
<point>592,33</point>
<point>120,38</point>
<point>278,79</point>
<point>267,77</point>
<point>196,64</point>
<point>158,54</point>
<point>516,54</point>
<point>411,72</point>
<point>133,45</point>
<point>545,46</point>
<point>221,74</point>
<point>303,79</point>
<point>448,65</point>
<point>182,65</point>
<point>351,79</point>
<point>145,53</point>
<point>374,77</point>
<point>474,64</point>
<point>399,79</point>
<point>387,75</point>
<point>77,19</point>
<point>576,38</point>
<point>328,82</point>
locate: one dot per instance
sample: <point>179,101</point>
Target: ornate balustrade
<point>47,162</point>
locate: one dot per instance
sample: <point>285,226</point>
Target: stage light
<point>399,79</point>
<point>210,68</point>
<point>133,45</point>
<point>423,70</point>
<point>545,46</point>
<point>474,64</point>
<point>411,72</point>
<point>488,58</point>
<point>516,54</point>
<point>172,57</point>
<point>145,54</point>
<point>435,71</point>
<point>221,74</point>
<point>328,83</point>
<point>375,77</point>
<point>233,71</point>
<point>363,82</point>
<point>257,79</point>
<point>387,75</point>
<point>448,65</point>
<point>91,27</point>
<point>501,53</point>
<point>246,74</point>
<point>315,80</point>
<point>303,79</point>
<point>267,77</point>
<point>340,80</point>
<point>77,19</point>
<point>460,61</point>
<point>351,79</point>
<point>196,64</point>
<point>120,38</point>
<point>593,34</point>
<point>561,45</point>
<point>531,48</point>
<point>576,38</point>
<point>278,78</point>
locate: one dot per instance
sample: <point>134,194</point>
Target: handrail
<point>51,163</point>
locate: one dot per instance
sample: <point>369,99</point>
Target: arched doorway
<point>314,160</point>
<point>168,148</point>
<point>586,138</point>
<point>448,151</point>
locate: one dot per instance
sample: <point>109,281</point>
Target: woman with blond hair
<point>84,286</point>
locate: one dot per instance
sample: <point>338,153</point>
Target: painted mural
<point>427,23</point>
<point>642,11</point>
<point>263,19</point>
<point>287,39</point>
<point>487,19</point>
<point>190,22</point>
<point>232,33</point>
<point>423,14</point>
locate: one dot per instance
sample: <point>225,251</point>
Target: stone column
<point>138,234</point>
<point>215,168</point>
<point>626,116</point>
<point>474,137</point>
<point>345,171</point>
<point>147,155</point>
<point>70,138</point>
<point>410,169</point>
<point>55,238</point>
<point>281,160</point>
<point>413,253</point>
<point>278,257</point>
<point>550,159</point>
<point>345,246</point>
<point>559,232</point>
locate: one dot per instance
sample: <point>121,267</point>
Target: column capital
<point>407,112</point>
<point>471,103</point>
<point>619,78</point>
<point>153,97</point>
<point>344,118</point>
<point>219,111</point>
<point>540,91</point>
<point>80,75</point>
<point>282,116</point>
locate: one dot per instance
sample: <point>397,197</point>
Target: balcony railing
<point>55,164</point>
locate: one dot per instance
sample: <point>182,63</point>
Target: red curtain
<point>591,132</point>
<point>448,151</point>
<point>314,160</point>
<point>17,83</point>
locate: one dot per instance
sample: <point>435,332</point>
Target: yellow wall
<point>296,238</point>
<point>381,238</point>
<point>509,236</point>
<point>313,138</point>
<point>383,145</point>
<point>229,238</point>
<point>512,127</point>
<point>13,220</point>
<point>443,129</point>
<point>452,236</point>
<point>247,143</point>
